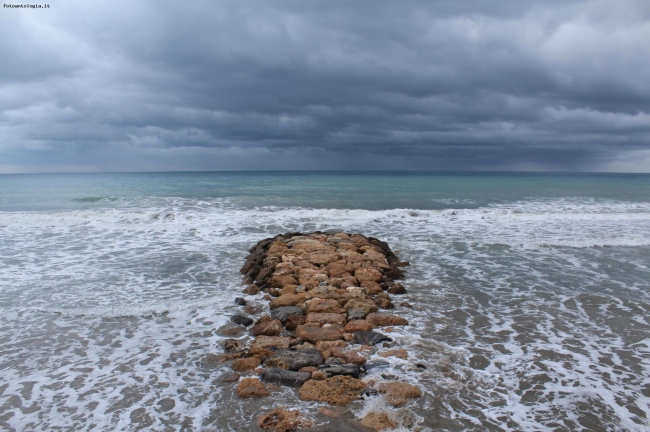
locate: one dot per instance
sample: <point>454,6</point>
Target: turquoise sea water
<point>531,294</point>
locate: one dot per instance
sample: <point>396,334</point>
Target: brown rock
<point>278,246</point>
<point>349,355</point>
<point>358,325</point>
<point>232,345</point>
<point>327,318</point>
<point>229,377</point>
<point>281,281</point>
<point>268,342</point>
<point>398,352</point>
<point>309,282</point>
<point>398,393</point>
<point>383,303</point>
<point>315,335</point>
<point>251,387</point>
<point>323,257</point>
<point>377,421</point>
<point>264,274</point>
<point>245,364</point>
<point>266,326</point>
<point>319,375</point>
<point>281,420</point>
<point>288,300</point>
<point>337,390</point>
<point>309,369</point>
<point>325,306</point>
<point>294,321</point>
<point>289,289</point>
<point>260,353</point>
<point>397,288</point>
<point>367,273</point>
<point>251,289</point>
<point>366,305</point>
<point>386,320</point>
<point>252,309</point>
<point>372,287</point>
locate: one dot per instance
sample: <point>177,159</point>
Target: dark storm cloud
<point>550,85</point>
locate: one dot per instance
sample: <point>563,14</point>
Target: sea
<point>530,296</point>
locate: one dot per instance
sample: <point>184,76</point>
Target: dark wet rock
<point>375,364</point>
<point>241,320</point>
<point>210,361</point>
<point>294,359</point>
<point>285,312</point>
<point>406,305</point>
<point>240,301</point>
<point>420,366</point>
<point>334,361</point>
<point>369,338</point>
<point>294,321</point>
<point>478,362</point>
<point>230,377</point>
<point>345,369</point>
<point>230,330</point>
<point>263,274</point>
<point>284,377</point>
<point>397,288</point>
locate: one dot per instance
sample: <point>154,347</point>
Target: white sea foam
<point>106,313</point>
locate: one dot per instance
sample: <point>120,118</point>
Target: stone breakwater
<point>330,301</point>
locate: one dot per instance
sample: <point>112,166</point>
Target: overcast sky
<point>552,85</point>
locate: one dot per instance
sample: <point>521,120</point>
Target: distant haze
<point>552,85</point>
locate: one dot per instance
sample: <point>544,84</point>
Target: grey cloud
<point>550,85</point>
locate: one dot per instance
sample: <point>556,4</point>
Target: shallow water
<point>531,295</point>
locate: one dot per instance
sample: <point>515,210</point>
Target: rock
<point>251,387</point>
<point>372,287</point>
<point>337,390</point>
<point>350,356</point>
<point>293,322</point>
<point>260,353</point>
<point>319,375</point>
<point>252,309</point>
<point>367,273</point>
<point>245,364</point>
<point>346,369</point>
<point>406,305</point>
<point>268,342</point>
<point>386,320</point>
<point>325,306</point>
<point>356,314</point>
<point>323,257</point>
<point>284,377</point>
<point>397,288</point>
<point>294,359</point>
<point>230,330</point>
<point>399,353</point>
<point>281,281</point>
<point>241,320</point>
<point>251,289</point>
<point>377,364</point>
<point>240,301</point>
<point>308,282</point>
<point>267,327</point>
<point>326,318</point>
<point>383,303</point>
<point>281,420</point>
<point>314,335</point>
<point>369,338</point>
<point>263,274</point>
<point>378,421</point>
<point>288,300</point>
<point>229,377</point>
<point>397,393</point>
<point>366,305</point>
<point>284,312</point>
<point>358,325</point>
<point>232,345</point>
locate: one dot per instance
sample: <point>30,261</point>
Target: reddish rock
<point>309,282</point>
<point>245,364</point>
<point>281,281</point>
<point>337,390</point>
<point>323,257</point>
<point>294,321</point>
<point>349,355</point>
<point>383,303</point>
<point>325,306</point>
<point>378,422</point>
<point>325,347</point>
<point>315,335</point>
<point>358,325</point>
<point>372,287</point>
<point>318,375</point>
<point>309,369</point>
<point>398,393</point>
<point>281,420</point>
<point>278,246</point>
<point>266,326</point>
<point>366,305</point>
<point>367,273</point>
<point>251,387</point>
<point>327,318</point>
<point>259,352</point>
<point>288,300</point>
<point>386,320</point>
<point>268,342</point>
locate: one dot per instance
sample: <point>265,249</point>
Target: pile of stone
<point>327,293</point>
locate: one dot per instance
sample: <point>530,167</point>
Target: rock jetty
<point>330,307</point>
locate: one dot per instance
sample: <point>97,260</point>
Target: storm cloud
<point>246,85</point>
